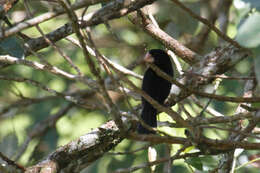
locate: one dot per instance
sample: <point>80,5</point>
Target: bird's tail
<point>148,116</point>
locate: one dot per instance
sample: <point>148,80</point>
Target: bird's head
<point>157,56</point>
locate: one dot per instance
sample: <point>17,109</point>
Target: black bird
<point>155,86</point>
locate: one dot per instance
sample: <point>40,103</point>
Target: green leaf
<point>209,161</point>
<point>249,32</point>
<point>195,162</point>
<point>189,149</point>
<point>11,46</point>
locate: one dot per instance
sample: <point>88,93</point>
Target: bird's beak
<point>148,58</point>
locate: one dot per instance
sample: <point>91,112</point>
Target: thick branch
<point>147,25</point>
<point>216,62</point>
<point>83,151</point>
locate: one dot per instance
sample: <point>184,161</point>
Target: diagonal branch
<point>113,10</point>
<point>209,24</point>
<point>83,151</point>
<point>148,26</point>
<point>44,17</point>
<point>216,62</point>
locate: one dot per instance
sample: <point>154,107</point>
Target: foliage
<point>24,106</point>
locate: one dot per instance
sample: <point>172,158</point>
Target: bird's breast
<point>155,86</point>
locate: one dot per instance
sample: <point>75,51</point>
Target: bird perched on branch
<point>155,86</point>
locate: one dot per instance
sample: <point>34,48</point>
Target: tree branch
<point>44,17</point>
<point>113,10</point>
<point>83,151</point>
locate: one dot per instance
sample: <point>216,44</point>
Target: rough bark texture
<point>81,152</point>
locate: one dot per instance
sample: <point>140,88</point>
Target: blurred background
<point>23,106</point>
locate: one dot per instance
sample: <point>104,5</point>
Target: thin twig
<point>52,44</point>
<point>92,66</point>
<point>209,24</point>
<point>11,162</point>
<point>203,94</point>
<point>129,152</point>
<point>159,161</point>
<point>44,17</point>
<point>41,128</point>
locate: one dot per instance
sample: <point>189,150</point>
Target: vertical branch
<point>223,14</point>
<point>197,43</point>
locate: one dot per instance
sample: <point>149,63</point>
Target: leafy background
<point>127,46</point>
